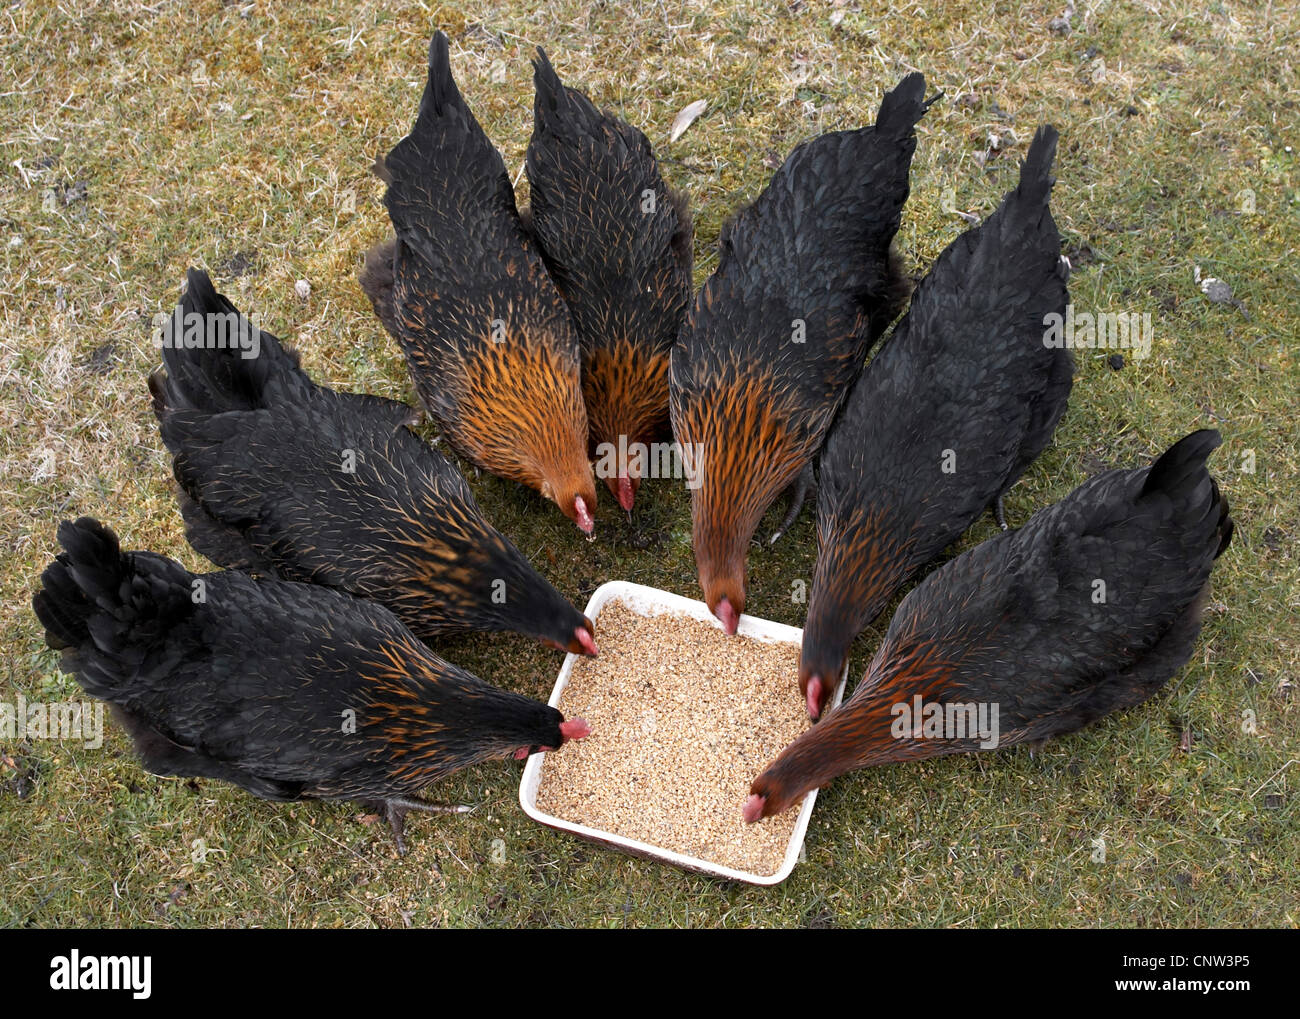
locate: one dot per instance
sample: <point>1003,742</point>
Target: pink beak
<point>626,496</point>
<point>729,617</point>
<point>585,522</point>
<point>814,697</point>
<point>583,636</point>
<point>754,807</point>
<point>575,728</point>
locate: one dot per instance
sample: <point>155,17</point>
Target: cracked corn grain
<point>682,718</point>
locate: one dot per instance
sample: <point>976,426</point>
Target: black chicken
<point>461,286</point>
<point>617,242</point>
<point>290,479</point>
<point>1087,609</point>
<point>959,401</point>
<point>805,283</point>
<point>290,691</point>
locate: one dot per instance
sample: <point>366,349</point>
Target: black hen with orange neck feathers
<point>805,283</point>
<point>1089,608</point>
<point>293,480</point>
<point>462,288</point>
<point>617,242</point>
<point>290,691</point>
<point>960,400</point>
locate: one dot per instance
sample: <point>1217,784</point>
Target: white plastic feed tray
<point>650,601</point>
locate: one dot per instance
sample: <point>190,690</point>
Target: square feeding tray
<point>658,781</point>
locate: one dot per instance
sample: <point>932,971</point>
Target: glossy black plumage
<point>958,402</point>
<point>617,242</point>
<point>1089,608</point>
<point>805,283</point>
<point>463,289</point>
<point>290,479</point>
<point>290,691</point>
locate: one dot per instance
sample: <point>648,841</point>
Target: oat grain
<point>682,717</point>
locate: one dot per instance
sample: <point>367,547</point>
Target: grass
<point>136,140</point>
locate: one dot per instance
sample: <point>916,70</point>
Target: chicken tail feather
<point>441,93</point>
<point>104,609</point>
<point>903,107</point>
<point>1036,178</point>
<point>1181,477</point>
<point>214,358</point>
<point>1182,465</point>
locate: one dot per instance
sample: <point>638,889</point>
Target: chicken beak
<point>582,515</point>
<point>626,494</point>
<point>815,688</point>
<point>728,616</point>
<point>585,640</point>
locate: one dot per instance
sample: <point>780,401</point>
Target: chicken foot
<point>999,513</point>
<point>803,484</point>
<point>395,809</point>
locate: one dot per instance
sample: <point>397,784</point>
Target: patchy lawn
<point>136,140</point>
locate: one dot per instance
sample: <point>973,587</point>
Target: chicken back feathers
<point>960,400</point>
<point>617,242</point>
<point>486,335</point>
<point>805,283</point>
<point>293,480</point>
<point>290,691</point>
<point>1089,608</point>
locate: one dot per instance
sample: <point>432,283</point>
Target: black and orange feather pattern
<point>759,438</point>
<point>960,400</point>
<point>625,384</point>
<point>617,242</point>
<point>806,282</point>
<point>461,286</point>
<point>1089,608</point>
<point>290,691</point>
<point>293,480</point>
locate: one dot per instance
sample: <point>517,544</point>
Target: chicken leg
<point>803,484</point>
<point>396,808</point>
